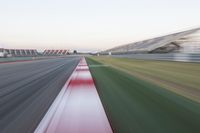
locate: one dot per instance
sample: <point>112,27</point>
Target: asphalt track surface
<point>27,90</point>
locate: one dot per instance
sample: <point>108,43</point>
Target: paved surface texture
<point>27,90</point>
<point>79,109</point>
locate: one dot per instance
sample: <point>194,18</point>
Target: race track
<point>27,89</point>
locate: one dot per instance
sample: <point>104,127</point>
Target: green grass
<point>179,77</point>
<point>136,106</point>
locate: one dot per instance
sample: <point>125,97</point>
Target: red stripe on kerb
<point>82,65</point>
<point>80,109</point>
<point>81,69</point>
<point>81,82</point>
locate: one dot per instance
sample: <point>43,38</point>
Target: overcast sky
<point>91,24</point>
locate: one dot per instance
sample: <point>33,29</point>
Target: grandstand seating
<point>48,52</point>
<point>33,52</point>
<point>21,52</point>
<point>162,44</point>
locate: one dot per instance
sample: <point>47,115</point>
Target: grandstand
<point>186,41</point>
<point>32,52</point>
<point>48,52</point>
<point>21,52</point>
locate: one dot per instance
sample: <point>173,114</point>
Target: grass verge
<point>179,77</point>
<point>136,106</point>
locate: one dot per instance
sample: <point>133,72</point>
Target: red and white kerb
<point>78,108</point>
